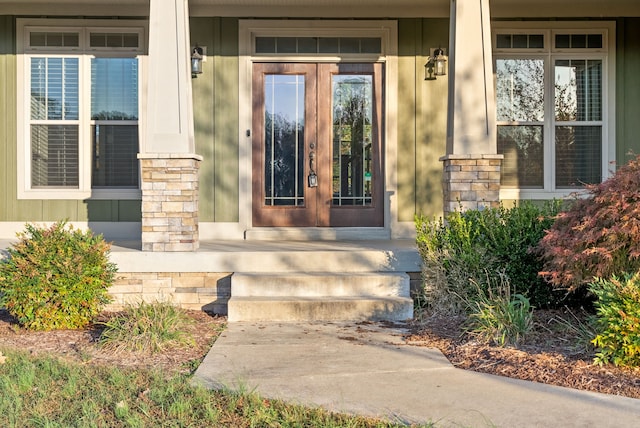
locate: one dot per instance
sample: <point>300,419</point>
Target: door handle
<point>313,178</point>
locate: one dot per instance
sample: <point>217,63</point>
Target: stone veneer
<point>170,202</point>
<point>471,181</point>
<point>207,291</point>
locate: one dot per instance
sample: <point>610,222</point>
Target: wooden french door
<point>317,146</point>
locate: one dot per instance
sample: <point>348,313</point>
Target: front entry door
<point>317,147</point>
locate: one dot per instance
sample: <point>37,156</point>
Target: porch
<point>278,280</point>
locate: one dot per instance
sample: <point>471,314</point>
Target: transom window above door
<point>79,92</point>
<point>554,107</point>
<point>318,45</point>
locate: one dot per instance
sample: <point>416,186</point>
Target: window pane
<point>578,90</point>
<point>284,116</point>
<point>562,41</point>
<point>113,40</point>
<point>520,89</point>
<point>286,44</point>
<point>349,45</point>
<point>307,45</point>
<point>520,41</point>
<point>37,39</point>
<point>371,45</point>
<point>329,45</point>
<point>579,41</point>
<point>54,88</point>
<point>114,89</point>
<point>54,156</point>
<point>503,41</point>
<point>536,41</point>
<point>522,147</point>
<point>594,41</point>
<point>352,136</point>
<point>578,155</point>
<point>265,44</point>
<point>115,150</point>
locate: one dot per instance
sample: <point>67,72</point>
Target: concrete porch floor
<point>394,255</point>
<point>399,255</point>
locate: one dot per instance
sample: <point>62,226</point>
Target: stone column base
<point>471,182</point>
<point>170,202</point>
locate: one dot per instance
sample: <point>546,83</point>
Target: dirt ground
<point>548,355</point>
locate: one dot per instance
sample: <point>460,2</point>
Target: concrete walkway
<point>367,369</point>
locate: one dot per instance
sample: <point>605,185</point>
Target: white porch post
<point>471,177</point>
<point>169,164</point>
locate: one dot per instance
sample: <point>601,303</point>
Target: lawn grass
<point>41,391</point>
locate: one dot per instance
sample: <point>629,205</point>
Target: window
<point>80,98</point>
<point>552,101</point>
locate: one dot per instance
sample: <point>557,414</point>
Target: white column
<point>169,164</point>
<point>169,109</point>
<point>471,119</point>
<point>471,166</point>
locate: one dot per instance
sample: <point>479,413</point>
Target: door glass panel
<point>352,137</point>
<point>284,139</point>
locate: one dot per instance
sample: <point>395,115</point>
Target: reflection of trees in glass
<point>352,117</point>
<point>578,97</point>
<point>113,115</point>
<point>523,150</point>
<point>578,90</point>
<point>520,90</point>
<point>520,99</point>
<point>283,150</point>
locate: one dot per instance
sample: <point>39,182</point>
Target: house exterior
<point>312,124</point>
<point>311,118</point>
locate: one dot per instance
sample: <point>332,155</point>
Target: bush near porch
<point>467,251</point>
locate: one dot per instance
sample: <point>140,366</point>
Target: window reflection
<point>578,90</point>
<point>520,90</point>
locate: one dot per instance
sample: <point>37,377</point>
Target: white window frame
<point>84,53</point>
<point>608,56</point>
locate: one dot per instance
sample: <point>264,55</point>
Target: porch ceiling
<point>327,8</point>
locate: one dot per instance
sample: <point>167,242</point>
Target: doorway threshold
<point>317,233</point>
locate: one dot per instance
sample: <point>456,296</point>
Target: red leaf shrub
<point>598,236</point>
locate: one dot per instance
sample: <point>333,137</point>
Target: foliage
<point>618,320</point>
<point>458,252</point>
<point>43,391</point>
<point>498,317</point>
<point>146,327</point>
<point>56,277</point>
<point>598,236</point>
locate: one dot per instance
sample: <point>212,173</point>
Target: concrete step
<point>328,296</point>
<point>316,284</point>
<point>298,309</point>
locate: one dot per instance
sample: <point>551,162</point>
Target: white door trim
<point>387,30</point>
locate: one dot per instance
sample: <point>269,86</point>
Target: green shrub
<point>56,277</point>
<point>468,244</point>
<point>618,320</point>
<point>147,327</point>
<point>598,236</point>
<point>498,317</point>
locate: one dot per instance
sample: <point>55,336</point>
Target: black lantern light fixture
<point>436,64</point>
<point>196,61</point>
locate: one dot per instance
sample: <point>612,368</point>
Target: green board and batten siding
<point>422,119</point>
<point>216,106</point>
<point>627,89</point>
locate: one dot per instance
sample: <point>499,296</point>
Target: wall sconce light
<point>196,61</point>
<point>436,64</point>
